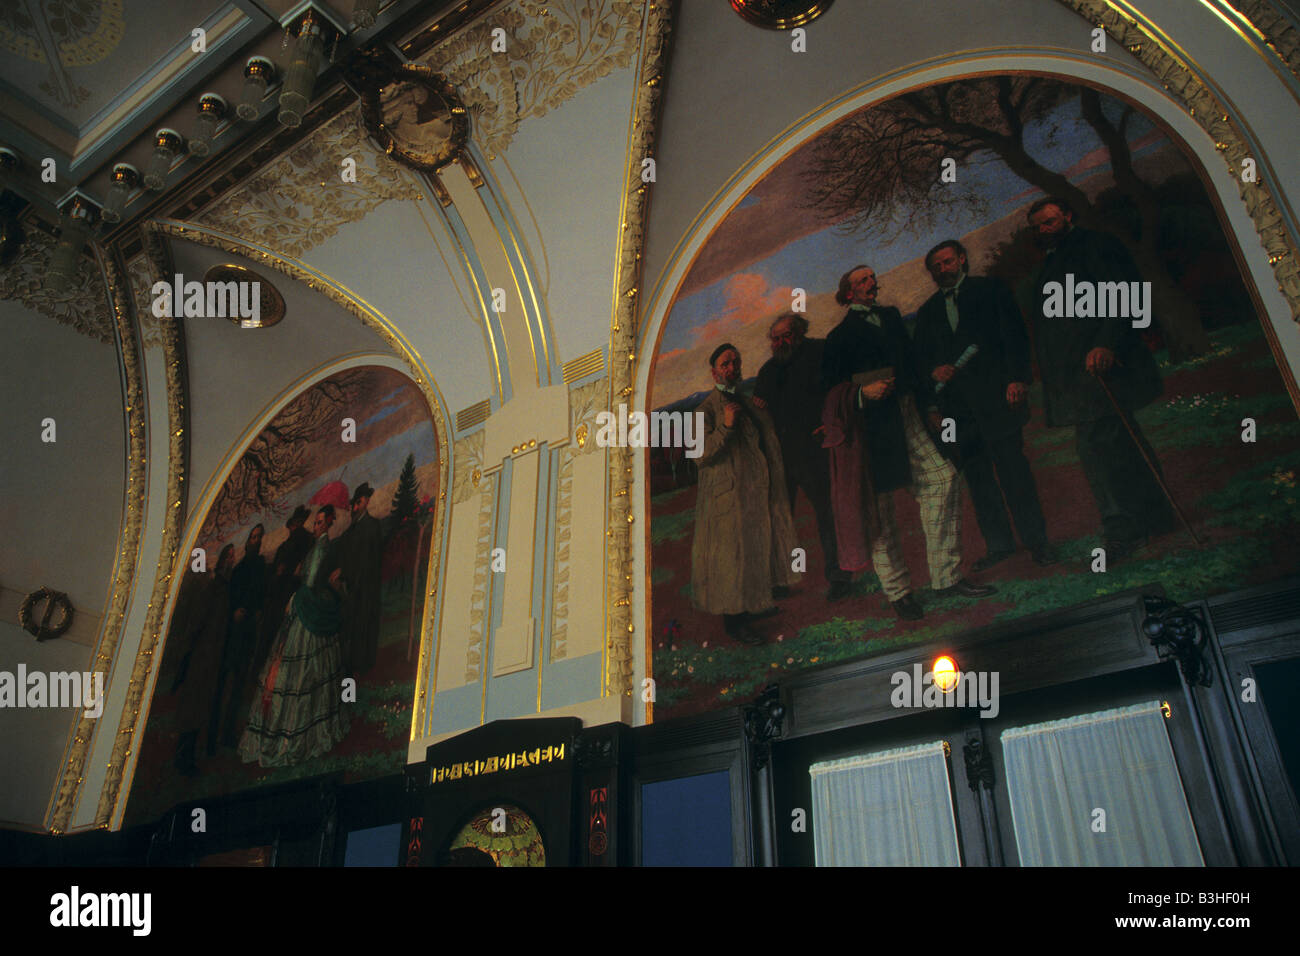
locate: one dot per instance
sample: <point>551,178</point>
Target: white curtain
<point>892,808</point>
<point>1060,773</point>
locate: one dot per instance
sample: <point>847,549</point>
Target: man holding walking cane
<point>1096,372</point>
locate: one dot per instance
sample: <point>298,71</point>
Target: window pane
<point>687,821</point>
<point>890,808</point>
<point>1099,790</point>
<point>375,846</point>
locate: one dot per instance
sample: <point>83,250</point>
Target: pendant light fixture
<point>212,110</point>
<point>125,178</point>
<point>258,74</point>
<point>167,146</point>
<point>79,215</point>
<point>304,65</point>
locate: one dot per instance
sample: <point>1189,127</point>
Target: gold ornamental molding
<point>141,278</point>
<point>86,32</point>
<point>478,607</point>
<point>1272,29</point>
<point>554,49</point>
<point>128,552</point>
<point>469,467</point>
<point>84,307</point>
<point>780,14</point>
<point>468,480</point>
<point>299,200</point>
<point>72,33</point>
<point>167,335</point>
<point>561,554</point>
<point>620,630</point>
<point>1181,80</point>
<point>585,402</point>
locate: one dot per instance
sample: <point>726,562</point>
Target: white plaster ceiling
<point>237,375</point>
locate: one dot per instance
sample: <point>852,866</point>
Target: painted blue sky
<point>815,261</point>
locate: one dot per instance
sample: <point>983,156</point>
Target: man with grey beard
<point>789,387</point>
<point>1073,355</point>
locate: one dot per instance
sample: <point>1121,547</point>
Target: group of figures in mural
<point>292,647</point>
<point>852,418</point>
<point>1058,327</point>
<point>266,645</point>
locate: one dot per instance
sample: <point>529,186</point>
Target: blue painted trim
<point>546,555</point>
<point>444,558</point>
<point>494,332</point>
<point>458,709</point>
<point>137,122</point>
<point>511,695</point>
<point>496,582</point>
<point>572,681</point>
<point>536,313</point>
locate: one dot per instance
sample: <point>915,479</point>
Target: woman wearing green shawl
<point>296,714</point>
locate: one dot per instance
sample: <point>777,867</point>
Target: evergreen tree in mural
<point>404,500</point>
<point>887,157</point>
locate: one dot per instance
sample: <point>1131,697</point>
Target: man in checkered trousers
<point>870,347</point>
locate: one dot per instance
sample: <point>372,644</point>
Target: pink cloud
<point>749,298</point>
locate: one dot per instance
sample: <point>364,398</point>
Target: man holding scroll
<point>870,348</point>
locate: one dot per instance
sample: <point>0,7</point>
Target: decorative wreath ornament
<point>414,114</point>
<point>45,631</point>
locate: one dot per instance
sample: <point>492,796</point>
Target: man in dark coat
<point>986,398</point>
<point>359,551</point>
<point>247,595</point>
<point>199,630</point>
<point>870,347</point>
<point>282,582</point>
<point>1073,353</point>
<point>740,555</point>
<point>789,387</point>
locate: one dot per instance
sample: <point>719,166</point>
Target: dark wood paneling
<point>1100,637</point>
<point>1279,797</point>
<point>687,747</point>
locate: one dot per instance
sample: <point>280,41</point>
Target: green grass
<point>1259,498</point>
<point>1186,574</point>
<point>1224,342</point>
<point>664,528</point>
<point>1190,421</point>
<point>388,708</point>
<point>1193,420</point>
<point>665,498</point>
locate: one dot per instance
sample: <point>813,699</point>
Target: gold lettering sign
<point>495,764</point>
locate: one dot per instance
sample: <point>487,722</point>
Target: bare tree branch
<point>277,459</point>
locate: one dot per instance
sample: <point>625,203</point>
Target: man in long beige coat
<point>740,559</point>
